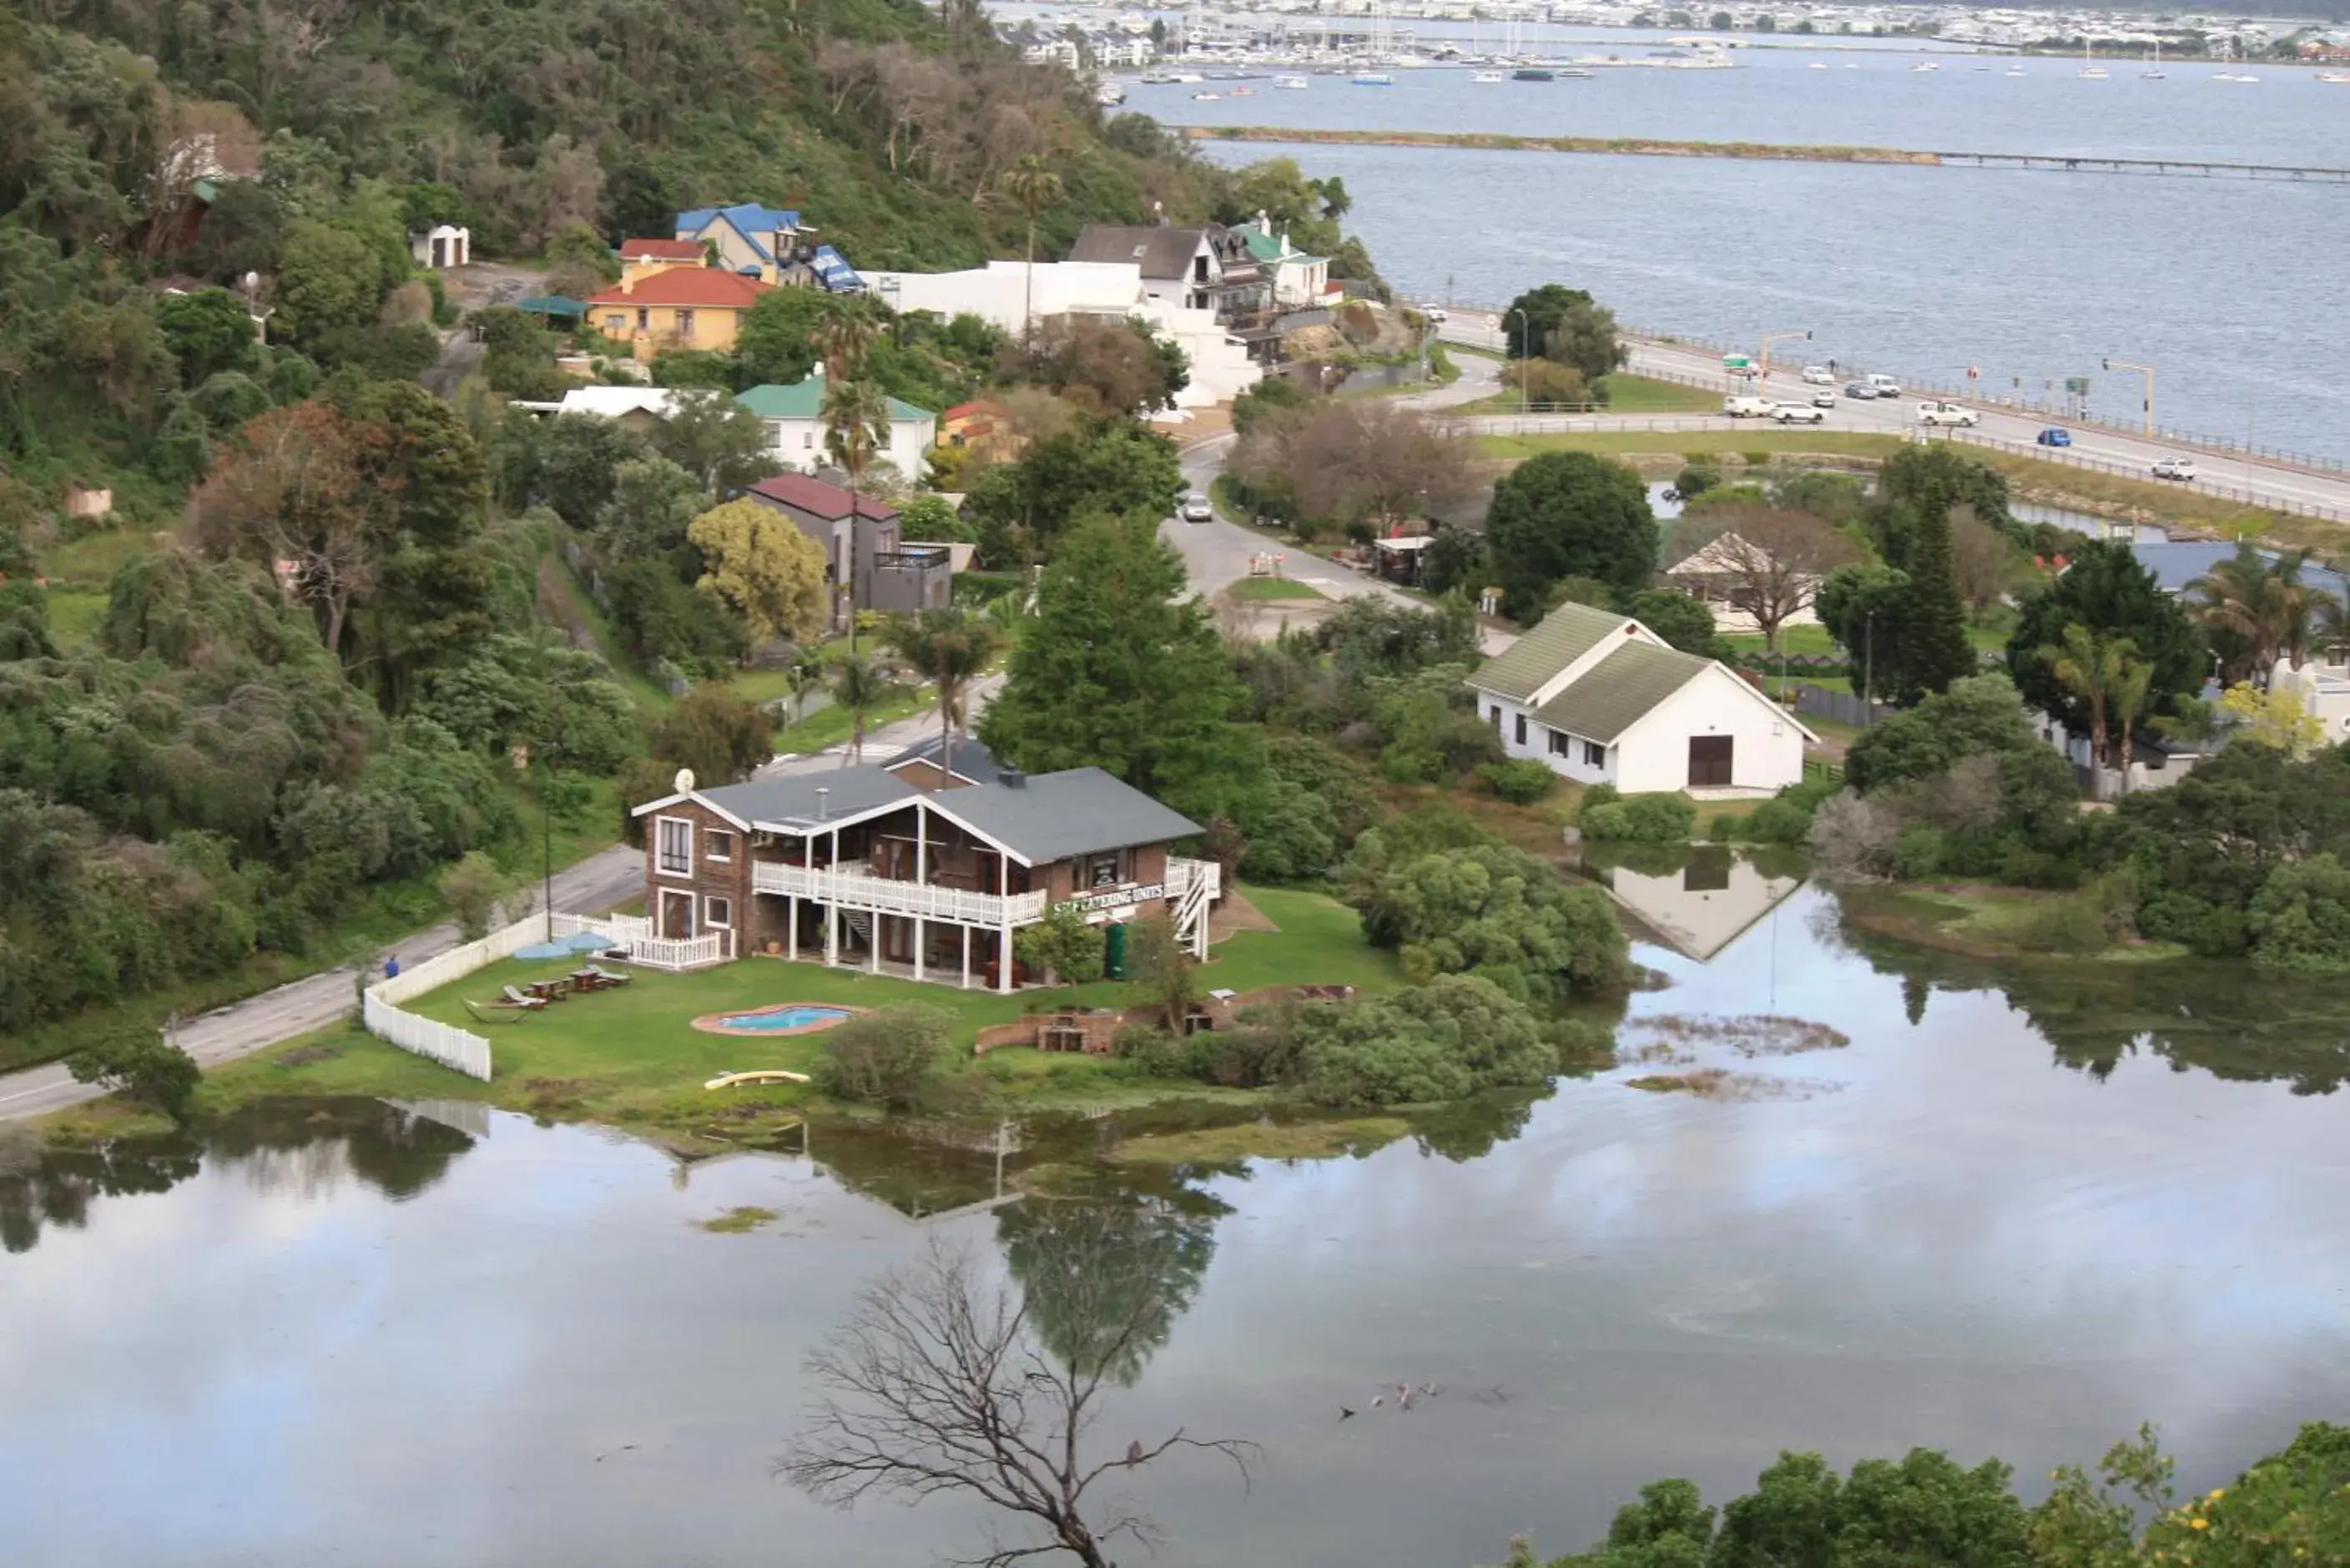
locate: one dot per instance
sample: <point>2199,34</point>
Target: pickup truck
<point>1746,407</point>
<point>1934,413</point>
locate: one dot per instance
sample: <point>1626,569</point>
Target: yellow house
<point>678,308</point>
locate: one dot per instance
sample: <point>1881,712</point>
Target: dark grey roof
<point>1051,816</point>
<point>1161,250</point>
<point>2177,563</point>
<point>792,802</point>
<point>1045,817</point>
<point>972,760</point>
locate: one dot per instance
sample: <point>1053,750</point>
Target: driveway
<point>300,1007</point>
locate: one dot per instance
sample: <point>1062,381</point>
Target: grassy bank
<point>1673,444</point>
<point>1497,142</point>
<point>1272,588</point>
<point>1626,394</point>
<point>633,1058</point>
<point>1979,921</point>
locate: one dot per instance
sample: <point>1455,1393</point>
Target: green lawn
<point>632,1057</point>
<point>1626,394</point>
<point>1272,588</point>
<point>74,615</point>
<point>832,726</point>
<point>1851,443</point>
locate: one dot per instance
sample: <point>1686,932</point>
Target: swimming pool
<point>786,1018</point>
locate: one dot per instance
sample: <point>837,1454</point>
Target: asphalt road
<point>591,887</point>
<point>1216,555</point>
<point>2219,474</point>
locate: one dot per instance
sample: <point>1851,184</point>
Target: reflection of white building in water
<point>1700,909</point>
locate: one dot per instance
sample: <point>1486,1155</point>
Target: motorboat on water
<point>1241,93</point>
<point>1293,84</point>
<point>1207,98</point>
<point>1109,95</point>
<point>1575,73</point>
<point>1925,65</point>
<point>1373,79</point>
<point>2339,79</point>
<point>1533,74</point>
<point>1488,76</point>
<point>1819,65</point>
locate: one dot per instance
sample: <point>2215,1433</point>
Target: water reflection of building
<point>1699,900</point>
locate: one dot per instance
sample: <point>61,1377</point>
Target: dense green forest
<point>293,672</point>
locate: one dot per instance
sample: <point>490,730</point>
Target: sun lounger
<point>517,999</point>
<point>607,977</point>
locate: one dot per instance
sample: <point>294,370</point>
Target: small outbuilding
<point>441,247</point>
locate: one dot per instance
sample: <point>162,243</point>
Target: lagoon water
<point>2029,277</point>
<point>2020,1212</point>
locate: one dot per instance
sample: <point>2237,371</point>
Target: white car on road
<point>2174,467</point>
<point>1747,406</point>
<point>1818,376</point>
<point>1197,510</point>
<point>1799,414</point>
<point>1938,413</point>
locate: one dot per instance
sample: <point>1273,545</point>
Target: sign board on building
<point>1118,897</point>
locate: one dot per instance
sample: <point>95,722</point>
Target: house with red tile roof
<point>676,307</point>
<point>643,258</point>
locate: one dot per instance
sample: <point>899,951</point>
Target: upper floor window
<point>1105,869</point>
<point>673,846</point>
<point>719,844</point>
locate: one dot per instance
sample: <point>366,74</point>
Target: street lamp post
<point>1525,352</point>
<point>1764,385</point>
<point>2148,371</point>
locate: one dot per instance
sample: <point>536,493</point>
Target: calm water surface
<point>2019,1213</point>
<point>2027,277</point>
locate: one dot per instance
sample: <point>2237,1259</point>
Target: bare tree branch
<point>939,1383</point>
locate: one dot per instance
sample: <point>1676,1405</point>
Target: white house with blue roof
<point>773,244</point>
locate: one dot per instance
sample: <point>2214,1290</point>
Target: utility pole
<point>2148,371</point>
<point>1762,385</point>
<point>1525,344</point>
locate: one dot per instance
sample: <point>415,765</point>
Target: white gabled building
<point>1600,698</point>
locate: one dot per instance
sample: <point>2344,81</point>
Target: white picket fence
<point>460,1049</point>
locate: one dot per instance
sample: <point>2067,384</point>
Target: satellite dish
<point>684,780</point>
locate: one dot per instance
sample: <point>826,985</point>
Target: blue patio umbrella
<point>565,947</point>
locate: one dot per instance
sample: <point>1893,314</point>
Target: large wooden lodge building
<point>923,866</point>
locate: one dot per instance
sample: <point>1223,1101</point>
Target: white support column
<point>792,927</point>
<point>963,933</point>
<point>831,934</point>
<point>918,947</point>
<point>1003,959</point>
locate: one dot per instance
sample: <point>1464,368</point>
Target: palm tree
<point>2090,667</point>
<point>947,647</point>
<point>859,685</point>
<point>1032,183</point>
<point>806,674</point>
<point>2127,696</point>
<point>2330,625</point>
<point>2255,611</point>
<point>856,429</point>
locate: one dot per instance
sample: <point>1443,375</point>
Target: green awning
<point>551,304</point>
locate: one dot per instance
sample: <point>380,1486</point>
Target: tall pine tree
<point>1122,670</point>
<point>1934,646</point>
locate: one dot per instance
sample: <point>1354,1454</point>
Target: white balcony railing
<point>849,886</point>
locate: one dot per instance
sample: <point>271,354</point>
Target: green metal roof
<point>1618,691</point>
<point>1557,640</point>
<point>805,401</point>
<point>551,304</point>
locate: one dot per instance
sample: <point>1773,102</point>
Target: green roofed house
<point>794,416</point>
<point>1298,280</point>
<point>1602,699</point>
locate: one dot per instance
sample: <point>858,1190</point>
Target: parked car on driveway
<point>2054,435</point>
<point>1197,510</point>
<point>2174,467</point>
<point>1861,390</point>
<point>1818,376</point>
<point>1798,414</point>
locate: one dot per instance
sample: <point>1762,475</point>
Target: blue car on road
<point>2054,435</point>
